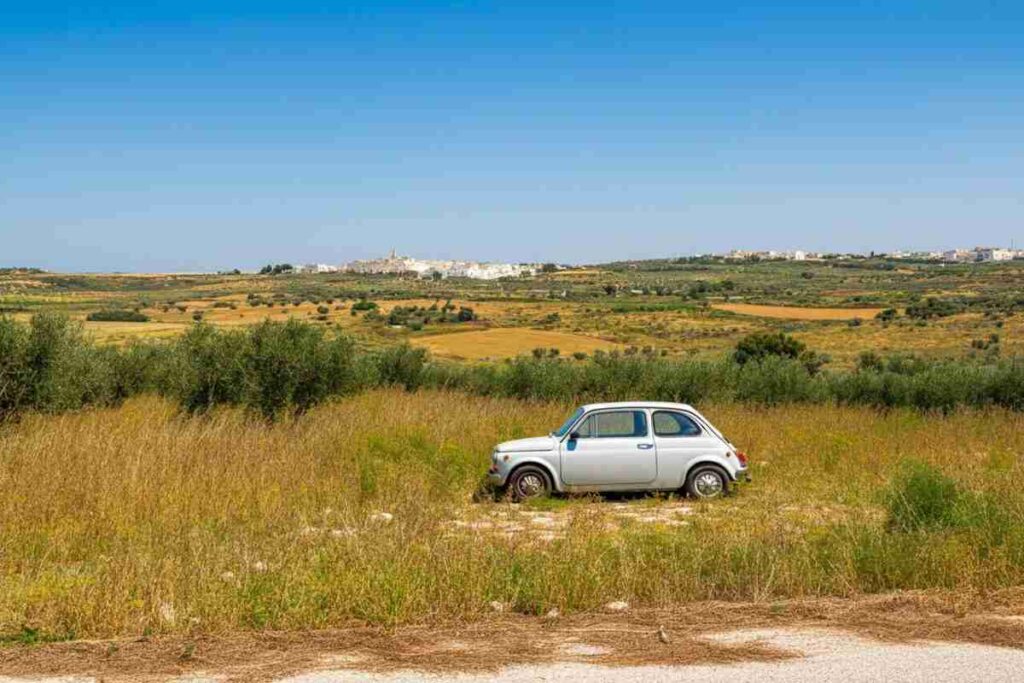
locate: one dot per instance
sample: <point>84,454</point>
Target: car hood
<point>537,443</point>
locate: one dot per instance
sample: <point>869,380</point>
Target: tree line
<point>279,368</point>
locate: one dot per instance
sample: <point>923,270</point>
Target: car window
<point>586,429</point>
<point>674,424</point>
<point>561,431</point>
<point>614,424</point>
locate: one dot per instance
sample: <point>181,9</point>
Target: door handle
<point>645,446</point>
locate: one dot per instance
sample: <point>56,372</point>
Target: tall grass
<point>131,520</point>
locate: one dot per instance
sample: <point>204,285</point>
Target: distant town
<point>395,264</point>
<point>975,255</point>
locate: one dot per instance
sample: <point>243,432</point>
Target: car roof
<point>640,404</point>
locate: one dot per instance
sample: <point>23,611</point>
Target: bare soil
<point>624,639</point>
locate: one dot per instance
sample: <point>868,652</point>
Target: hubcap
<point>530,484</point>
<point>708,484</point>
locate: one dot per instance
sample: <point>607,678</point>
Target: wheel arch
<point>556,483</point>
<point>730,477</point>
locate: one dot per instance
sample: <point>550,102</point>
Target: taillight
<point>742,457</point>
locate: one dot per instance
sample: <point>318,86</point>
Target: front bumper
<point>495,477</point>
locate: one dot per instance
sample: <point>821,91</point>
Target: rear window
<point>674,424</point>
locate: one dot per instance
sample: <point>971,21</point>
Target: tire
<point>707,482</point>
<point>529,481</point>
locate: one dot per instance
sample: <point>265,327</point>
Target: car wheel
<point>707,481</point>
<point>529,482</point>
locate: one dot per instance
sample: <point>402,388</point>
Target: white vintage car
<point>633,446</point>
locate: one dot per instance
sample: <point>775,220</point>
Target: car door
<point>610,448</point>
<point>680,439</point>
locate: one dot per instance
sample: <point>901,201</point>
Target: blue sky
<point>205,135</point>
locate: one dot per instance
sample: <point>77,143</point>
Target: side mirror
<point>573,436</point>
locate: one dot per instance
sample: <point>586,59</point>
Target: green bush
<point>208,368</point>
<point>118,315</point>
<point>933,308</point>
<point>761,345</point>
<point>402,365</point>
<point>363,305</point>
<point>14,371</point>
<point>49,366</point>
<point>921,498</point>
<point>280,367</point>
<point>294,366</point>
<point>271,367</point>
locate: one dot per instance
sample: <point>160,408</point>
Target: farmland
<point>797,313</point>
<point>688,309</point>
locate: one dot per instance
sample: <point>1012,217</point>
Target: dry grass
<point>509,342</point>
<point>137,520</point>
<point>800,313</point>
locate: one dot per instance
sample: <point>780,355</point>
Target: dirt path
<point>814,655</point>
<point>908,637</point>
<point>820,656</point>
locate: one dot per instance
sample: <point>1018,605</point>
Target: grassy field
<point>676,307</point>
<point>139,520</point>
<point>800,313</point>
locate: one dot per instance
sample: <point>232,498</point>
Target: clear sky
<point>202,135</point>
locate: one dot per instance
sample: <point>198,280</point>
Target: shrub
<point>869,361</point>
<point>921,498</point>
<point>14,371</point>
<point>933,308</point>
<point>775,380</point>
<point>117,315</point>
<point>402,365</point>
<point>208,368</point>
<point>363,305</point>
<point>50,366</point>
<point>761,345</point>
<point>294,366</point>
<point>270,368</point>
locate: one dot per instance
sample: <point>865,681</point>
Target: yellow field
<point>508,342</point>
<point>798,313</point>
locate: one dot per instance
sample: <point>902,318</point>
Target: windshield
<point>561,431</point>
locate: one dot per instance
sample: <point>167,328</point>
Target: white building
<point>318,268</point>
<point>993,254</point>
<point>957,256</point>
<point>395,264</point>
